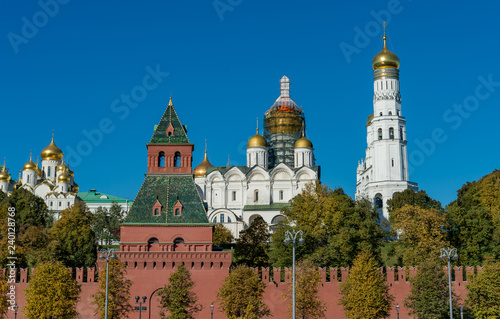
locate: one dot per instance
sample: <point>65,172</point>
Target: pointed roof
<point>170,117</point>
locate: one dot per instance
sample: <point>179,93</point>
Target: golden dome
<point>63,178</point>
<point>76,187</point>
<point>39,171</point>
<point>30,166</point>
<point>257,141</point>
<point>71,173</point>
<point>62,167</point>
<point>385,59</point>
<point>201,170</point>
<point>4,176</point>
<point>52,152</point>
<point>369,119</point>
<point>303,142</point>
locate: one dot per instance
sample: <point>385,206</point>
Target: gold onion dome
<point>201,170</point>
<point>257,141</point>
<point>39,171</point>
<point>63,178</point>
<point>52,152</point>
<point>62,167</point>
<point>385,59</point>
<point>4,176</point>
<point>71,173</point>
<point>303,142</point>
<point>76,187</point>
<point>30,166</point>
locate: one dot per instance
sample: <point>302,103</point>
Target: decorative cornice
<point>387,96</point>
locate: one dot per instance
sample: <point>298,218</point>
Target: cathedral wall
<point>208,271</point>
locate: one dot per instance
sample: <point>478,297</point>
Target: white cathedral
<point>54,182</point>
<point>279,165</point>
<point>384,171</point>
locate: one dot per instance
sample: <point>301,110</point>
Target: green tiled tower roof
<point>179,135</point>
<point>167,190</point>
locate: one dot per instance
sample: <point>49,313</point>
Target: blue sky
<point>70,65</point>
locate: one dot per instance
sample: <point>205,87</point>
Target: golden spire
<point>4,176</point>
<point>170,102</point>
<point>385,58</point>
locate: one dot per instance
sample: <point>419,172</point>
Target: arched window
<point>379,133</point>
<point>234,196</point>
<point>177,159</point>
<point>222,219</point>
<point>378,202</point>
<point>177,212</point>
<point>29,180</point>
<point>256,195</point>
<point>391,133</point>
<point>161,159</point>
<point>215,219</point>
<point>380,113</point>
<point>390,113</point>
<point>48,171</point>
<point>281,195</point>
<point>169,133</point>
<point>179,240</point>
<point>157,212</point>
<point>277,219</point>
<point>229,219</point>
<point>153,240</point>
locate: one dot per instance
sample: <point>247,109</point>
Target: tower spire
<point>257,125</point>
<point>285,87</point>
<point>4,163</point>
<point>170,102</point>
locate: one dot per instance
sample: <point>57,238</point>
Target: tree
<point>422,235</point>
<point>75,241</point>
<point>429,298</point>
<point>52,293</point>
<point>251,247</point>
<point>106,223</point>
<point>412,198</point>
<point>241,295</point>
<point>222,236</point>
<point>364,293</point>
<point>335,227</point>
<point>30,209</point>
<point>178,297</point>
<point>4,288</point>
<point>308,304</point>
<point>483,295</point>
<point>118,292</point>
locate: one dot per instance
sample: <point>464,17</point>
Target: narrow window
<point>393,162</point>
<point>401,133</point>
<point>222,218</point>
<point>256,196</point>
<point>391,133</point>
<point>28,179</point>
<point>157,212</point>
<point>215,219</point>
<point>229,219</point>
<point>379,133</point>
<point>161,159</point>
<point>60,204</point>
<point>234,196</point>
<point>48,171</point>
<point>281,195</point>
<point>177,212</point>
<point>177,159</point>
<point>390,113</point>
<point>51,204</point>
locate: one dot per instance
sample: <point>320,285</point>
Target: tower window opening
<point>393,162</point>
<point>234,196</point>
<point>157,212</point>
<point>401,133</point>
<point>28,179</point>
<point>391,133</point>
<point>390,113</point>
<point>161,159</point>
<point>391,84</point>
<point>177,212</point>
<point>378,202</point>
<point>222,219</point>
<point>48,171</point>
<point>177,159</point>
<point>215,219</point>
<point>169,133</point>
<point>281,195</point>
<point>256,195</point>
<point>379,133</point>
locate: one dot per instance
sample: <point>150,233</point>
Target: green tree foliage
<point>222,236</point>
<point>4,289</point>
<point>118,292</point>
<point>421,233</point>
<point>52,293</point>
<point>107,223</point>
<point>178,298</point>
<point>364,293</point>
<point>75,242</point>
<point>475,220</point>
<point>241,295</point>
<point>412,198</point>
<point>335,227</point>
<point>31,221</point>
<point>251,247</point>
<point>429,298</point>
<point>484,293</point>
<point>308,304</point>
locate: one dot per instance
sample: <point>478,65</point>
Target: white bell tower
<point>384,171</point>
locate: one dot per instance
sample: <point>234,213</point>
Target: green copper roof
<point>273,206</point>
<point>179,135</point>
<point>167,189</point>
<point>93,196</point>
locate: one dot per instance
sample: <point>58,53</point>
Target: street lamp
<point>397,310</point>
<point>138,300</point>
<point>106,254</point>
<point>15,311</point>
<point>212,310</point>
<point>291,237</point>
<point>449,253</point>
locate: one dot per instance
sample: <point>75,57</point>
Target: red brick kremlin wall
<point>150,271</point>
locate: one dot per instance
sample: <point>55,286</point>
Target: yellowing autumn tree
<point>364,293</point>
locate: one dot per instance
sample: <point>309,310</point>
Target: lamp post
<point>107,254</point>
<point>397,310</point>
<point>449,253</point>
<point>291,237</point>
<point>138,300</point>
<point>15,311</point>
<point>212,310</point>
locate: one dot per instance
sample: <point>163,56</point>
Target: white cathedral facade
<point>53,182</point>
<point>384,170</point>
<point>279,165</point>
